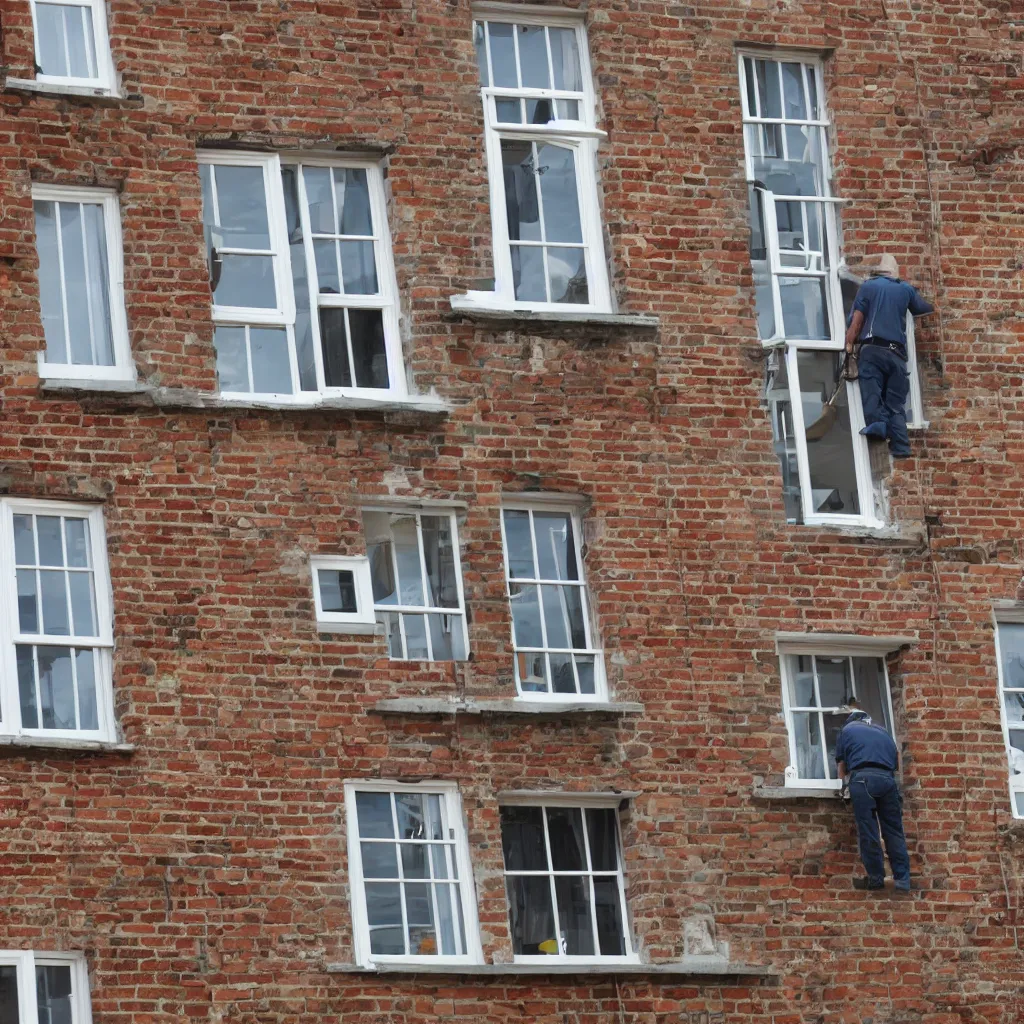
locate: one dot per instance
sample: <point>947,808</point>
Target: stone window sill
<point>509,706</point>
<point>492,314</point>
<point>691,967</point>
<point>352,628</point>
<point>92,92</point>
<point>65,743</point>
<point>789,793</point>
<point>140,393</point>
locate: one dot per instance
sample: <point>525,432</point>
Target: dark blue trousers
<point>877,803</point>
<point>884,385</point>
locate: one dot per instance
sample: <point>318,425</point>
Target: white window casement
<point>342,594</point>
<point>795,258</point>
<point>304,291</point>
<point>72,47</point>
<point>1010,650</point>
<point>541,140</point>
<point>410,874</point>
<point>820,676</point>
<point>44,987</point>
<point>416,579</point>
<point>553,636</point>
<point>564,880</point>
<point>81,284</point>
<point>57,622</point>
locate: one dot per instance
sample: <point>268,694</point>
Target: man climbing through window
<point>878,322</point>
<point>868,755</point>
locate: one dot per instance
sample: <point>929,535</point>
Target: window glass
<point>1010,640</point>
<point>65,40</point>
<point>9,1004</point>
<point>53,994</point>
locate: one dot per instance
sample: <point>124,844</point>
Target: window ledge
<point>692,966</point>
<point>66,743</point>
<point>787,793</point>
<point>32,85</point>
<point>488,314</point>
<point>508,706</point>
<point>187,398</point>
<point>353,628</point>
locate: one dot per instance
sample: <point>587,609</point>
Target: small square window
<point>342,594</point>
<point>71,43</point>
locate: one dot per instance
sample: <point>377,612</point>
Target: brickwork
<point>205,874</point>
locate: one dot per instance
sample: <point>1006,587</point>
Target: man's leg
<point>867,831</point>
<point>895,398</point>
<point>890,818</point>
<point>872,389</point>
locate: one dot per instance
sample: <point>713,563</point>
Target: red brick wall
<point>206,874</point>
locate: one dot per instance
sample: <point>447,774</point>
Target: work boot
<point>866,883</point>
<point>878,430</point>
<point>908,454</point>
<point>901,886</point>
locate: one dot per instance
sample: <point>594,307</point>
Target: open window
<point>820,678</point>
<point>71,44</point>
<point>541,141</point>
<point>1010,650</point>
<point>342,594</point>
<point>44,988</point>
<point>304,292</point>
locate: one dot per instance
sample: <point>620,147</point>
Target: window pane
<point>833,470</point>
<point>53,994</point>
<point>319,199</point>
<point>393,630</point>
<point>414,861</point>
<point>565,59</point>
<point>810,763</point>
<point>522,202</point>
<point>75,281</point>
<point>232,361</point>
<point>98,284</point>
<point>24,542</point>
<point>51,549</point>
<point>353,193</point>
<point>439,555</point>
<point>503,54</point>
<point>1011,649</point>
<point>768,88</point>
<point>373,811</point>
<point>337,590</point>
<point>56,621</point>
<point>574,920</point>
<point>562,678</point>
<point>834,682</point>
<point>419,908</point>
<point>28,601</point>
<point>306,356</point>
<point>76,536</point>
<point>567,269</point>
<point>793,91</point>
<point>518,544</point>
<point>562,616</point>
<point>528,276</point>
<point>56,687</point>
<point>407,553</point>
<point>50,36</point>
<point>585,672</point>
<point>522,839</point>
<point>50,287</point>
<point>384,916</point>
<point>779,401</point>
<point>246,281</point>
<point>83,604</point>
<point>242,205</point>
<point>446,637</point>
<point>557,172</point>
<point>533,57</point>
<point>445,895</point>
<point>525,605</point>
<point>804,308</point>
<point>872,696</point>
<point>85,669</point>
<point>508,111</point>
<point>10,1012</point>
<point>610,936</point>
<point>379,860</point>
<point>833,725</point>
<point>480,43</point>
<point>533,673</point>
<point>531,920</point>
<point>358,268</point>
<point>556,546</point>
<point>325,254</point>
<point>415,637</point>
<point>334,346</point>
<point>567,110</point>
<point>409,807</point>
<point>801,681</point>
<point>377,528</point>
<point>539,111</point>
<point>602,832</point>
<point>271,368</point>
<point>565,834</point>
<point>78,23</point>
<point>27,687</point>
<point>369,352</point>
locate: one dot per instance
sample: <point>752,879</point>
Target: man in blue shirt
<point>878,322</point>
<point>868,754</point>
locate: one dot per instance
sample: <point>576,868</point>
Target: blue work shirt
<point>884,301</point>
<point>859,744</point>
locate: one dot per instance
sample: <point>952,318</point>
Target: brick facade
<point>205,873</point>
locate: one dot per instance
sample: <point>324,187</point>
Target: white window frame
<point>363,616</point>
<point>26,962</point>
<point>449,794</point>
<point>284,315</point>
<point>600,694</point>
<point>124,367</point>
<point>105,79</point>
<point>821,645</point>
<point>582,136</point>
<point>582,802</point>
<point>1008,617</point>
<point>419,511</point>
<point>11,636</point>
<point>869,514</point>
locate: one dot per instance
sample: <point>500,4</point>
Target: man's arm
<point>918,306</point>
<point>856,323</point>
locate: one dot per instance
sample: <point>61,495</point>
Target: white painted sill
<point>66,743</point>
<point>352,628</point>
<point>484,311</point>
<point>688,966</point>
<point>55,89</point>
<point>791,793</point>
<point>507,706</point>
<point>191,399</point>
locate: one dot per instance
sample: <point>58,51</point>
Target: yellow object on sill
<point>428,946</point>
<point>549,946</point>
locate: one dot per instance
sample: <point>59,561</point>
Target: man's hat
<point>885,266</point>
